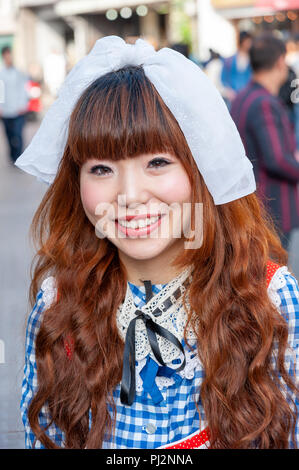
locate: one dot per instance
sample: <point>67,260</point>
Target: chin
<point>145,251</point>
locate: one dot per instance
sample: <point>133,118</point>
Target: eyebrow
<point>151,156</point>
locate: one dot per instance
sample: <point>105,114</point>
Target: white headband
<point>189,94</point>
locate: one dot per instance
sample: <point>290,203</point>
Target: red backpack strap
<point>271,270</point>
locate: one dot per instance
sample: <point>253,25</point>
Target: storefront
<point>7,26</point>
<point>126,18</point>
<point>261,15</point>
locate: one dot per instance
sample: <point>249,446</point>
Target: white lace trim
<point>50,291</point>
<point>174,319</point>
<point>277,282</point>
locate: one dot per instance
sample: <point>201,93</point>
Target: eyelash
<point>94,168</point>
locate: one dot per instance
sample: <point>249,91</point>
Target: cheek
<point>176,188</point>
<point>92,195</point>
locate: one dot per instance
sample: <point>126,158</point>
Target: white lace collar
<point>173,319</point>
<point>50,293</point>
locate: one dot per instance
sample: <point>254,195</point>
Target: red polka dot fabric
<point>271,270</point>
<point>197,440</point>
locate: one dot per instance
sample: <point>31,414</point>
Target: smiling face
<point>132,157</point>
<point>148,184</point>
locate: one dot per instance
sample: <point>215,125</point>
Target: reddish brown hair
<point>121,115</point>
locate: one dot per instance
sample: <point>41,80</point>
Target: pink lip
<point>131,232</point>
<point>136,217</point>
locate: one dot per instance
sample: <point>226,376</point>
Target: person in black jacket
<point>285,94</point>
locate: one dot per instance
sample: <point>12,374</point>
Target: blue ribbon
<point>149,373</point>
<point>127,391</point>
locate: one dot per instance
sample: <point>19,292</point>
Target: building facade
<point>36,28</point>
<point>261,15</point>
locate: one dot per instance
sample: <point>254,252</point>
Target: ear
<point>281,63</point>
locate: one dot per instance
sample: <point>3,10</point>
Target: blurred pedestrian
<point>292,59</point>
<point>213,55</point>
<point>285,94</point>
<point>292,56</point>
<point>14,107</point>
<point>236,71</point>
<point>184,49</point>
<point>262,120</point>
<point>213,69</point>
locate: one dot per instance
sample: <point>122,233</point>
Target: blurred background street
<point>45,39</point>
<point>20,195</point>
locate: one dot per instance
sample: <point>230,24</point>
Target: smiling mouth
<point>139,226</point>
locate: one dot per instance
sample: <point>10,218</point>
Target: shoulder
<point>264,102</point>
<point>44,298</point>
<point>49,290</point>
<point>284,293</point>
<point>229,60</point>
<point>250,98</point>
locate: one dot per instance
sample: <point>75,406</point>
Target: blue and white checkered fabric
<point>144,425</point>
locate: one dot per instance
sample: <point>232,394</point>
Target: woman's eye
<point>157,162</point>
<point>105,170</point>
<point>100,170</point>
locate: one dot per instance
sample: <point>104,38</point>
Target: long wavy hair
<point>121,115</point>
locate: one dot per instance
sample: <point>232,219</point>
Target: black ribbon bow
<point>128,381</point>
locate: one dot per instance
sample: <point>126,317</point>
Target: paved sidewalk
<point>20,195</point>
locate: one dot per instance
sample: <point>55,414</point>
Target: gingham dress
<point>144,424</point>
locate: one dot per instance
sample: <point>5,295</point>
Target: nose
<point>133,189</point>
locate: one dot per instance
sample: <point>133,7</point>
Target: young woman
<point>137,339</point>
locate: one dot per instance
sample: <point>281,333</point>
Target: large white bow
<point>189,94</point>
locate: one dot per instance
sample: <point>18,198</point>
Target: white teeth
<point>140,223</point>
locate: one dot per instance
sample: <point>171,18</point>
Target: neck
<point>159,269</point>
<point>268,81</point>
